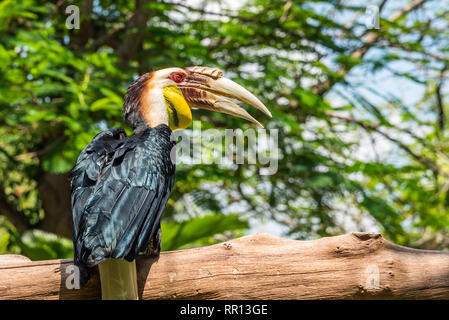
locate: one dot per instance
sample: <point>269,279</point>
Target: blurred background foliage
<point>361,113</point>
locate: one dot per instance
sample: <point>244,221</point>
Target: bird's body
<point>120,186</point>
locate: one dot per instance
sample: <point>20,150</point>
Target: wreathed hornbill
<point>121,184</point>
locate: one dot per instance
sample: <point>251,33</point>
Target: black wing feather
<point>120,186</point>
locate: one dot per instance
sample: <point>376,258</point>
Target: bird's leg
<point>155,244</point>
<point>118,280</point>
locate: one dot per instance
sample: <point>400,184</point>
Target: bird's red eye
<point>177,77</point>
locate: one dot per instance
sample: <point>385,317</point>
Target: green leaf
<point>196,231</point>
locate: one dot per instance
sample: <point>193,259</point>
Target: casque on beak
<point>205,87</point>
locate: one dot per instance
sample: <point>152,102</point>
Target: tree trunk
<point>352,266</point>
<point>54,192</point>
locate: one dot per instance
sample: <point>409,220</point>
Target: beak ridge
<point>203,86</point>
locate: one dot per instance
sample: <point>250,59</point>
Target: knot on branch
<point>367,235</point>
<point>364,243</point>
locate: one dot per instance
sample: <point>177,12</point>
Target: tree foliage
<point>355,154</point>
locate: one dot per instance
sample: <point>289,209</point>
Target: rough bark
<point>352,266</point>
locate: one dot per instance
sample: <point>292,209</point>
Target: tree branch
<point>441,116</point>
<point>429,163</point>
<point>218,14</point>
<point>352,266</point>
<point>85,31</point>
<point>133,40</point>
<point>111,36</point>
<point>370,40</point>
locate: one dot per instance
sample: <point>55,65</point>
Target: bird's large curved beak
<point>205,88</point>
